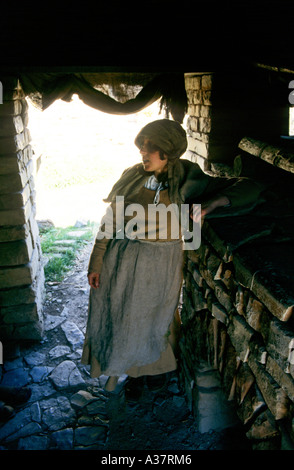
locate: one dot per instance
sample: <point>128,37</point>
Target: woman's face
<point>151,158</point>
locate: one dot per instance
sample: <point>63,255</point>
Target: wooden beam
<point>276,156</point>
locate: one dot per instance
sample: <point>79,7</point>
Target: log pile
<point>237,314</point>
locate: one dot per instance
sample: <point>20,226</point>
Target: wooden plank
<point>276,156</point>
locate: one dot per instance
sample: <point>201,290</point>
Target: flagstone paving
<point>68,410</point>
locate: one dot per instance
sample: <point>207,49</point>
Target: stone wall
<point>224,107</point>
<point>21,273</point>
<point>238,297</point>
<point>198,88</point>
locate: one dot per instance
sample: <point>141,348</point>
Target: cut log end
<point>288,313</point>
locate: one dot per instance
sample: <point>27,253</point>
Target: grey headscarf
<point>171,138</point>
<point>166,134</point>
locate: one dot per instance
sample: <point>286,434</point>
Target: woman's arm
<point>94,280</point>
<point>212,204</point>
<point>209,206</point>
<point>215,192</point>
<point>105,233</point>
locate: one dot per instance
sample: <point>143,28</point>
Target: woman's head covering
<point>171,138</point>
<point>166,134</point>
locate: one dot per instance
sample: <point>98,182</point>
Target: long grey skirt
<point>131,311</point>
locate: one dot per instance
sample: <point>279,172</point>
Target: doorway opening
<point>79,154</point>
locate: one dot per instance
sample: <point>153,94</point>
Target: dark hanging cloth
<point>44,89</point>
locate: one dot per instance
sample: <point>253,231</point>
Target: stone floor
<point>68,410</point>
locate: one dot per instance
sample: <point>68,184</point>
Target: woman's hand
<point>208,207</point>
<point>94,280</point>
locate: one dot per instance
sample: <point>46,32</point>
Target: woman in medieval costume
<point>134,272</point>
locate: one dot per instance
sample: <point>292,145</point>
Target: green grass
<point>62,258</point>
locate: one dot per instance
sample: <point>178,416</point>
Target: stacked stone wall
<point>198,90</point>
<point>21,272</point>
<point>225,106</point>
